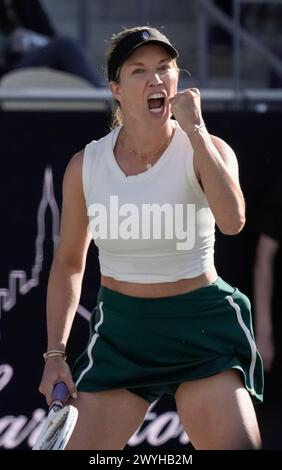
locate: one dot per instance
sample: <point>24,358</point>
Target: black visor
<point>131,42</point>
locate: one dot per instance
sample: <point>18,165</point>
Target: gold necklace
<point>149,163</point>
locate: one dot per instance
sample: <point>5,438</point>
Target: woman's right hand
<point>56,370</point>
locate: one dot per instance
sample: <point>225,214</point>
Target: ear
<point>115,90</point>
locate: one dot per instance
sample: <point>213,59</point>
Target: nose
<point>155,79</point>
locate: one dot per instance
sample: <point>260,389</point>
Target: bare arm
<point>215,164</point>
<point>263,287</point>
<point>217,169</point>
<point>66,275</point>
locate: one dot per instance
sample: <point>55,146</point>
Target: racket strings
<point>54,428</point>
<point>57,429</point>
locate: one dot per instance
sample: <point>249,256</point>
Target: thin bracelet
<point>54,352</point>
<point>63,356</point>
<point>196,129</point>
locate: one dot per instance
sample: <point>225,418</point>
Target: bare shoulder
<point>74,166</point>
<point>73,173</point>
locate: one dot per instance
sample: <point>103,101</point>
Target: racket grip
<point>60,392</point>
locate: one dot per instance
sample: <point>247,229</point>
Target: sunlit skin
<point>150,69</point>
<point>216,411</point>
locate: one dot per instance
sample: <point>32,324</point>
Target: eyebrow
<point>134,64</point>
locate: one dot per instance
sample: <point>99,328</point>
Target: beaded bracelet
<point>53,353</point>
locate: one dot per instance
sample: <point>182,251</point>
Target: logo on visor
<point>145,35</point>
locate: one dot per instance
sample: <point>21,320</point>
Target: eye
<point>139,70</point>
<point>164,67</point>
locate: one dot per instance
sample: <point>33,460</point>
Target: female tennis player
<point>149,193</point>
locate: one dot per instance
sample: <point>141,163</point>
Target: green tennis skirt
<point>151,346</point>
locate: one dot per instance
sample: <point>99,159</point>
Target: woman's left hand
<point>186,108</point>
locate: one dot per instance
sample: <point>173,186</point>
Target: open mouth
<point>156,102</point>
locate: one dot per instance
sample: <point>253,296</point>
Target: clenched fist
<point>186,108</point>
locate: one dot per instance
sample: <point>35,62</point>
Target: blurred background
<point>226,45</point>
<point>54,100</point>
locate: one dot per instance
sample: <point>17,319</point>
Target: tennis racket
<point>59,423</point>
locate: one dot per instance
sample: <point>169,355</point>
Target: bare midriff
<point>162,289</point>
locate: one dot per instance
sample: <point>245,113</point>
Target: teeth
<point>155,110</point>
<point>156,95</point>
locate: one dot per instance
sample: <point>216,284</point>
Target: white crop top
<point>152,227</point>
